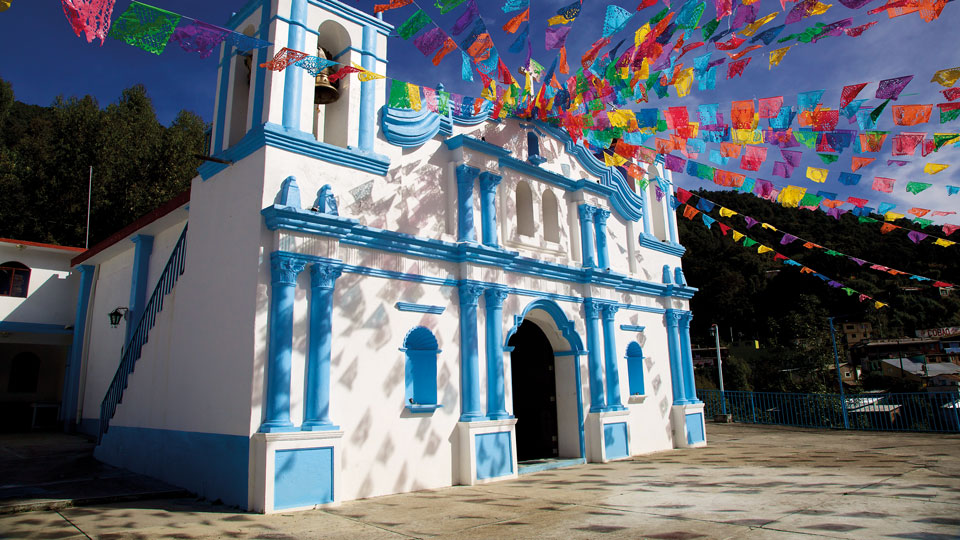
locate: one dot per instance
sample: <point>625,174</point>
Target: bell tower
<point>251,100</point>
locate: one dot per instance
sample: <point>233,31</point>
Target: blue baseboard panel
<point>494,455</point>
<point>615,440</point>
<point>210,464</point>
<point>695,432</point>
<point>303,477</point>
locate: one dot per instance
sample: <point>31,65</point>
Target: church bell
<point>323,91</point>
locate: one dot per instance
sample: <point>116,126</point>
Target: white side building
<point>363,301</point>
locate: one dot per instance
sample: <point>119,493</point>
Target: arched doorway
<point>534,393</point>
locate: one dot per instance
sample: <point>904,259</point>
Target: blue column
<point>610,358</point>
<point>138,281</point>
<point>594,367</point>
<point>293,79</point>
<point>496,400</point>
<point>71,383</point>
<point>600,223</point>
<point>488,207</point>
<point>673,317</point>
<point>586,234</point>
<point>466,232</point>
<point>368,90</point>
<point>316,403</point>
<point>671,213</point>
<point>283,284</point>
<point>689,385</point>
<point>469,353</point>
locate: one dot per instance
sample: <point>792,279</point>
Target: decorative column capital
<point>323,275</point>
<point>685,318</point>
<point>600,216</point>
<point>495,297</point>
<point>586,212</point>
<point>609,310</point>
<point>284,269</point>
<point>674,316</point>
<point>466,174</point>
<point>489,181</point>
<point>592,308</point>
<point>469,293</point>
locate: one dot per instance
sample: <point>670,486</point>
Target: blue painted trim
<point>35,328</point>
<point>261,74</point>
<point>549,465</point>
<point>298,142</point>
<point>496,391</point>
<point>647,222</point>
<point>419,308</point>
<point>283,283</point>
<point>421,408</point>
<point>293,78</point>
<point>138,281</point>
<point>594,364</point>
<point>408,128</point>
<point>216,145</point>
<point>467,141</point>
<point>610,365</point>
<point>635,369</point>
<point>303,477</point>
<point>353,15</point>
<point>673,317</point>
<point>631,327</point>
<point>358,51</point>
<point>670,248</point>
<point>488,208</point>
<point>494,454</point>
<point>615,441</point>
<point>316,402</point>
<point>473,119</point>
<point>671,216</point>
<point>352,233</point>
<point>212,465</point>
<point>600,225</point>
<point>468,294</point>
<point>71,385</point>
<point>580,423</point>
<point>368,104</point>
<point>587,239</point>
<point>695,428</point>
<point>686,350</point>
<point>466,230</point>
<point>420,370</point>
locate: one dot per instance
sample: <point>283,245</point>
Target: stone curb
<point>60,504</point>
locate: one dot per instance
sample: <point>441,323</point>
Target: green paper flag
<point>749,242</point>
<point>828,158</point>
<point>876,112</point>
<point>710,28</point>
<point>923,222</point>
<point>833,253</point>
<point>414,24</point>
<point>940,139</point>
<point>810,200</point>
<point>146,27</point>
<point>949,112</point>
<point>447,5</point>
<point>849,291</point>
<point>806,138</point>
<point>917,187</point>
<point>399,95</point>
<point>866,219</point>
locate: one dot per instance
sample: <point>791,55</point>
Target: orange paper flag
<point>514,24</point>
<point>858,162</point>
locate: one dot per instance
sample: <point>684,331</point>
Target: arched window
<point>551,217</point>
<point>635,368</point>
<point>524,209</point>
<point>24,374</point>
<point>421,350</point>
<point>533,149</point>
<point>333,121</point>
<point>239,106</point>
<point>14,279</point>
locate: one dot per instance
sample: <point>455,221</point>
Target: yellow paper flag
<point>558,19</point>
<point>819,9</point>
<point>726,212</point>
<point>892,216</point>
<point>934,168</point>
<point>754,26</point>
<point>737,236</point>
<point>414,93</point>
<point>878,305</point>
<point>365,75</point>
<point>613,159</point>
<point>943,243</point>
<point>776,56</point>
<point>791,196</point>
<point>747,136</point>
<point>641,35</point>
<point>683,82</point>
<point>817,175</point>
<point>768,226</point>
<point>763,249</point>
<point>4,5</point>
<point>946,77</point>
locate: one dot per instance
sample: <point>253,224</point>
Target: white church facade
<point>358,300</point>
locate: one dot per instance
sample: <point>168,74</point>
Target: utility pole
<point>715,330</point>
<point>836,362</point>
<point>86,243</point>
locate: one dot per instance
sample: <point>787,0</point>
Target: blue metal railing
<point>131,353</point>
<point>937,412</point>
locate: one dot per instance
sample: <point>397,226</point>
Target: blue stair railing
<point>131,353</point>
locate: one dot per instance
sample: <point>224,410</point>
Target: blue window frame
<point>635,368</point>
<point>420,368</point>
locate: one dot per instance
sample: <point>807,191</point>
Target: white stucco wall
<point>52,292</point>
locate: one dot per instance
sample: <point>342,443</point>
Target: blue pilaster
<point>671,214</point>
<point>71,384</point>
<point>260,56</point>
<point>283,284</point>
<point>610,358</point>
<point>466,231</point>
<point>600,223</point>
<point>226,63</point>
<point>594,366</point>
<point>587,242</point>
<point>293,78</point>
<point>469,353</point>
<point>138,280</point>
<point>496,400</point>
<point>647,223</point>
<point>689,385</point>
<point>673,317</point>
<point>488,207</point>
<point>316,403</point>
<point>368,90</point>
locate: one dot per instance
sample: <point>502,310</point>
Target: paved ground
<point>752,482</point>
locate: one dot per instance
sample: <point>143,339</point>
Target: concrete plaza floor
<point>751,482</point>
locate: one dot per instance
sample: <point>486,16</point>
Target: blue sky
<point>35,30</point>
